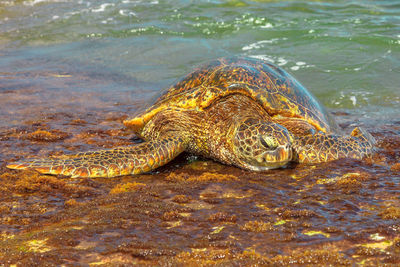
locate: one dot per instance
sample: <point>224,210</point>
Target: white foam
<point>353,100</point>
<point>282,61</point>
<point>102,7</point>
<point>264,57</point>
<point>355,97</point>
<point>260,44</point>
<point>266,26</point>
<point>106,21</point>
<point>130,2</point>
<point>34,2</point>
<point>249,47</point>
<point>127,13</point>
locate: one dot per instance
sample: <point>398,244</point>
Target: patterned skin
<point>239,111</point>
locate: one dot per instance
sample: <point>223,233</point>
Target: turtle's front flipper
<point>135,159</point>
<point>322,147</point>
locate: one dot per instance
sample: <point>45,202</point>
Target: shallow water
<point>346,52</point>
<point>76,69</point>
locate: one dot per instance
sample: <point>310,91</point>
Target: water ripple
<point>335,46</point>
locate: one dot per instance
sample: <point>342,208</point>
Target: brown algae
<point>190,213</point>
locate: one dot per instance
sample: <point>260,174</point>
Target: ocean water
<point>66,54</point>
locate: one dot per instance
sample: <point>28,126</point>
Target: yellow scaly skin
<point>322,147</point>
<point>119,161</point>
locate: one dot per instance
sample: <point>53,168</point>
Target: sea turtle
<point>240,111</point>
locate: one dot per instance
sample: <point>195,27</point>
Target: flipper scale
<point>135,159</point>
<point>322,147</point>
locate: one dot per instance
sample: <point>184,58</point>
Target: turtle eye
<point>268,143</point>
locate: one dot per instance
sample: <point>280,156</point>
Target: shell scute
<point>269,85</point>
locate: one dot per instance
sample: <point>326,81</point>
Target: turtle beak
<point>272,159</point>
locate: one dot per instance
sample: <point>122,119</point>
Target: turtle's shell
<point>273,88</point>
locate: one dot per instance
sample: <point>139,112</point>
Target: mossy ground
<point>193,212</point>
<point>268,218</point>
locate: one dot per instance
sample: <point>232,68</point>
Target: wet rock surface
<point>192,211</point>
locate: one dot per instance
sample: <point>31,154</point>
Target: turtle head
<point>262,145</point>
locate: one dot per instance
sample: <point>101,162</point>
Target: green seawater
<point>345,52</point>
